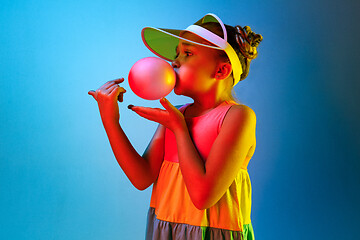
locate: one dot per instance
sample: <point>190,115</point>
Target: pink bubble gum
<point>152,78</point>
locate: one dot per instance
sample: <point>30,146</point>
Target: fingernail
<point>130,106</point>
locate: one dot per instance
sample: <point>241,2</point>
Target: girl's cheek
<point>186,74</point>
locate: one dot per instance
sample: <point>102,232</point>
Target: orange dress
<point>172,215</point>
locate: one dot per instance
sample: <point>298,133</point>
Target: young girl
<point>197,159</point>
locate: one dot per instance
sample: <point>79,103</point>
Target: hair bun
<point>248,41</point>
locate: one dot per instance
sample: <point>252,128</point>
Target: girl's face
<point>195,66</point>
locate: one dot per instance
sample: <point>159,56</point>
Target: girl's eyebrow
<point>184,43</point>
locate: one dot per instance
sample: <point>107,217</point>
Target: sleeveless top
<point>170,200</point>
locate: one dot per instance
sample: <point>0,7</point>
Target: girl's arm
<point>207,182</point>
<point>141,171</point>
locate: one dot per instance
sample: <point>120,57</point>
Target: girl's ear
<point>223,71</point>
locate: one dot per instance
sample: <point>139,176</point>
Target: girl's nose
<point>175,64</point>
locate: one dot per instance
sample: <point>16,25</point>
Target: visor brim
<point>163,42</point>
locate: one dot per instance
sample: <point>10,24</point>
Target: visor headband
<point>221,43</point>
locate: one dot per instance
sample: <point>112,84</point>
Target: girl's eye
<point>188,53</point>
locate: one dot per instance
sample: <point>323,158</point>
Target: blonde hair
<point>243,40</point>
<point>245,43</point>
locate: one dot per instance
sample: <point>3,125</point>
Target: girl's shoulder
<point>238,107</point>
<point>240,111</point>
<point>239,123</point>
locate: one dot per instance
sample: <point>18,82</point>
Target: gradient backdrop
<point>58,176</point>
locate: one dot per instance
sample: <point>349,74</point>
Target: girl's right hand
<point>107,96</point>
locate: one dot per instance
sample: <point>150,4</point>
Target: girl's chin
<point>176,90</point>
<point>181,91</point>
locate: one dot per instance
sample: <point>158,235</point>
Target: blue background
<point>58,176</point>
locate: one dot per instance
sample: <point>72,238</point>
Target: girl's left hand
<point>170,118</point>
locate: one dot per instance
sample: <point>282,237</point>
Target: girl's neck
<point>210,99</point>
